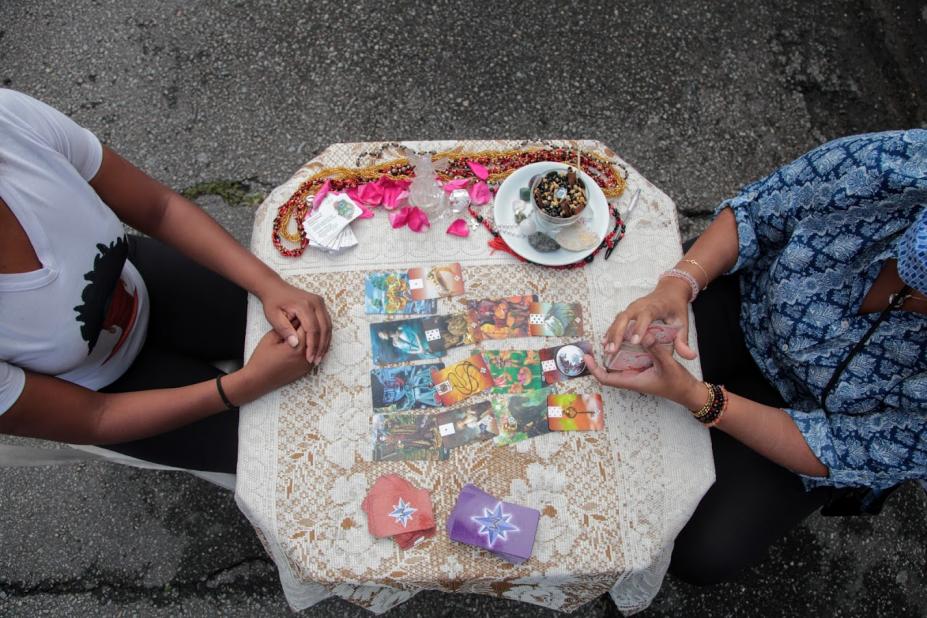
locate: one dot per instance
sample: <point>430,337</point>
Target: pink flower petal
<point>370,194</point>
<point>354,194</point>
<point>457,183</point>
<point>321,193</point>
<point>479,193</point>
<point>366,212</point>
<point>398,218</point>
<point>481,172</point>
<point>459,228</point>
<point>418,220</point>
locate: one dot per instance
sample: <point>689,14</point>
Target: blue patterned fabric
<point>813,236</point>
<point>912,255</point>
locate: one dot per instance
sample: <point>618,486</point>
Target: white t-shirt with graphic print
<point>83,315</point>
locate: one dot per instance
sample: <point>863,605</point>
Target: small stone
<point>540,241</point>
<point>525,194</point>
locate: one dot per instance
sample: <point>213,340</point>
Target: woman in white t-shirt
<point>109,339</point>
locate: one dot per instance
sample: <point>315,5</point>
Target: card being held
<point>399,436</point>
<point>403,388</point>
<point>444,332</point>
<point>400,341</point>
<point>461,380</point>
<point>565,362</point>
<point>572,412</point>
<point>514,371</point>
<point>436,282</point>
<point>556,320</point>
<point>631,357</point>
<point>520,417</point>
<point>388,293</point>
<point>464,425</point>
<point>500,318</point>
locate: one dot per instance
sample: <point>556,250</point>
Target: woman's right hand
<point>668,302</point>
<point>273,364</point>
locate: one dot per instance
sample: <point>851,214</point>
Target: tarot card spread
<point>395,389</point>
<point>398,436</point>
<point>519,417</point>
<point>565,362</point>
<point>484,521</point>
<point>400,341</point>
<point>389,293</point>
<point>556,320</point>
<point>500,318</point>
<point>461,380</point>
<point>572,412</point>
<point>514,371</point>
<point>436,282</point>
<point>473,423</point>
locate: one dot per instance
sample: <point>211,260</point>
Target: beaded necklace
<point>499,163</point>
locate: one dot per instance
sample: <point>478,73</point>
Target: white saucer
<point>504,215</point>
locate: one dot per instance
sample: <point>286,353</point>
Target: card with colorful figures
<point>444,332</point>
<point>398,436</point>
<point>519,417</point>
<point>461,380</point>
<point>400,341</point>
<point>440,281</point>
<point>573,412</point>
<point>389,293</point>
<point>556,320</point>
<point>409,387</point>
<point>500,318</point>
<point>514,371</point>
<point>471,423</point>
<point>565,362</point>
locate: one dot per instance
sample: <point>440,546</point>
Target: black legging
<point>753,502</point>
<point>196,318</point>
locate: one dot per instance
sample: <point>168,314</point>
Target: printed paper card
<point>395,389</point>
<point>572,412</point>
<point>473,423</point>
<point>461,380</point>
<point>324,225</point>
<point>500,318</point>
<point>440,281</point>
<point>565,362</point>
<point>400,341</point>
<point>388,293</point>
<point>399,436</point>
<point>484,521</point>
<point>556,320</point>
<point>514,371</point>
<point>444,332</point>
<point>519,417</point>
<point>396,507</point>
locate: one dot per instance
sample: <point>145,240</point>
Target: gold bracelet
<point>703,411</point>
<point>727,400</point>
<point>701,268</point>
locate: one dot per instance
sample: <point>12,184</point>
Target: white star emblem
<point>402,512</point>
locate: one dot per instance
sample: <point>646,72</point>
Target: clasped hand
<point>299,316</point>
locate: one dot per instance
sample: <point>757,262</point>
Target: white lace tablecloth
<point>611,502</point>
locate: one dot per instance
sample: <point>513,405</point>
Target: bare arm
<point>54,409</point>
<point>150,207</point>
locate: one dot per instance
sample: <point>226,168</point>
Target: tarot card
<point>444,332</point>
<point>389,293</point>
<point>409,387</point>
<point>565,362</point>
<point>439,281</point>
<point>398,436</point>
<point>479,519</point>
<point>473,423</point>
<point>500,318</point>
<point>520,417</point>
<point>396,508</point>
<point>400,341</point>
<point>461,380</point>
<point>572,412</point>
<point>556,320</point>
<point>631,357</point>
<point>514,371</point>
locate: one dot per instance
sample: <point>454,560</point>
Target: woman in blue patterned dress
<point>811,291</point>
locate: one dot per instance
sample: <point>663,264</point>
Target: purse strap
<point>895,301</point>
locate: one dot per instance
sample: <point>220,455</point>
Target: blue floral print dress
<point>813,236</point>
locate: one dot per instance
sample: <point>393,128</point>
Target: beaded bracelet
<point>710,413</point>
<point>677,273</point>
<point>722,411</point>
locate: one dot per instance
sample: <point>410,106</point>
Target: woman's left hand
<point>665,378</point>
<point>287,308</point>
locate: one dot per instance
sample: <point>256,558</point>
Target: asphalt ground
<point>226,99</point>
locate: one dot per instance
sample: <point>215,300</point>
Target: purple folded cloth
<point>484,521</point>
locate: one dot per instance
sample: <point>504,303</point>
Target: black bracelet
<point>228,404</point>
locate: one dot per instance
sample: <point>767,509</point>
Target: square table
<point>611,501</point>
